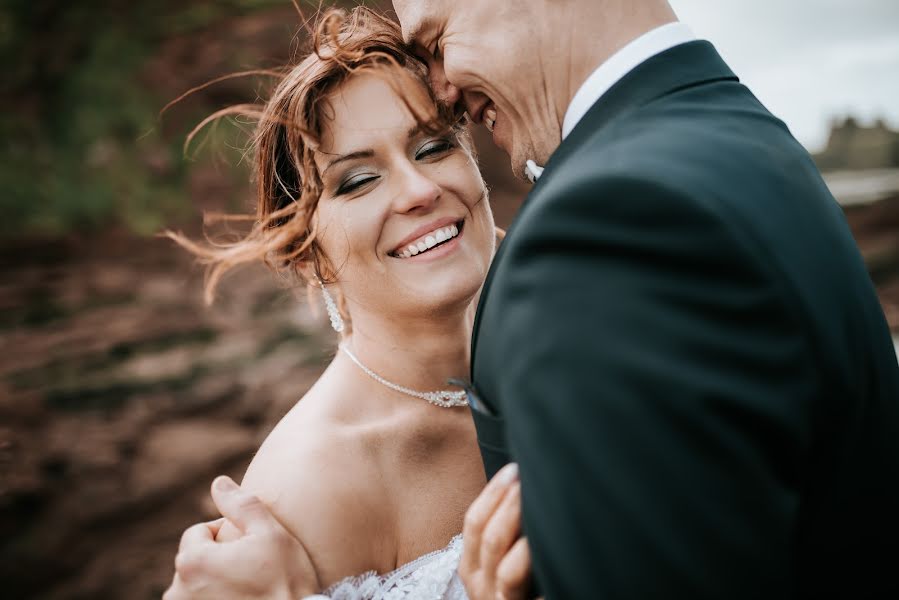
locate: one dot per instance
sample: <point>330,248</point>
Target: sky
<point>808,60</point>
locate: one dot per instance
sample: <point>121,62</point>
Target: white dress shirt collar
<point>620,64</point>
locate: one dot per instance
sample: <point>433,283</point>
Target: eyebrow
<point>416,32</point>
<point>346,157</point>
<point>367,153</point>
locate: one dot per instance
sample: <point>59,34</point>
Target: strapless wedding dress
<point>429,577</point>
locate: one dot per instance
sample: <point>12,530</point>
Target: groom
<point>678,342</point>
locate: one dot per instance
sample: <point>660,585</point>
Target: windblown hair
<point>288,132</point>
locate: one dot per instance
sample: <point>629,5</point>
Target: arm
<point>652,398</point>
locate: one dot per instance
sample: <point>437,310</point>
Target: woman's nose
<point>414,190</point>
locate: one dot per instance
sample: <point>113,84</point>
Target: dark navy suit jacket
<point>680,345</point>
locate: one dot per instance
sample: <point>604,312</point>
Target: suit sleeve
<point>655,394</point>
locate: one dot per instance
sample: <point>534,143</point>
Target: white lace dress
<point>430,577</point>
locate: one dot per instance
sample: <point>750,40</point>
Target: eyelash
<point>429,149</point>
<point>352,185</point>
<point>435,147</point>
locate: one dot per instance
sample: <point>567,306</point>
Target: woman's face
<point>403,217</point>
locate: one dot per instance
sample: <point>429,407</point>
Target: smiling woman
<point>388,187</point>
<point>368,189</point>
<point>294,144</point>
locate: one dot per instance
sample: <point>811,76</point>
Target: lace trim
<point>426,578</point>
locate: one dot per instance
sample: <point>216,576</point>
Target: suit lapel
<point>684,66</point>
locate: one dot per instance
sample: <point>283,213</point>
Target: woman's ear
<point>306,270</point>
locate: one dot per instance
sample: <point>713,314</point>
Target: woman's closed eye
<point>354,182</point>
<point>434,148</point>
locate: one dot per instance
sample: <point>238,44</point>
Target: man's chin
<point>518,158</point>
<point>519,168</point>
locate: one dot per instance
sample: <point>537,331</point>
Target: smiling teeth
<point>490,119</point>
<point>429,241</point>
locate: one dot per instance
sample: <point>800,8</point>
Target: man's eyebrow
<point>410,36</point>
<point>346,157</point>
<point>420,28</point>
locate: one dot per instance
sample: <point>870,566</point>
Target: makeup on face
<point>403,214</point>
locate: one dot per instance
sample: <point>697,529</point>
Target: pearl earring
<point>331,307</point>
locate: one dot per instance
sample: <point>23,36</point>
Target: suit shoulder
<point>736,164</point>
<point>706,135</point>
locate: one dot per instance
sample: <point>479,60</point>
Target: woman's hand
<point>496,560</point>
<point>265,561</point>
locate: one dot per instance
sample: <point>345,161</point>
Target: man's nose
<point>445,91</point>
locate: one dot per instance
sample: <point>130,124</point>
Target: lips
<point>430,241</point>
<point>428,237</point>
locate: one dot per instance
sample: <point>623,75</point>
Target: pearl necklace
<point>441,398</point>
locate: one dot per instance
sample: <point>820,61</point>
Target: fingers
<point>502,529</point>
<point>206,569</point>
<point>482,509</point>
<point>215,526</point>
<point>196,535</point>
<point>203,569</point>
<point>190,563</point>
<point>244,510</point>
<point>195,540</point>
<point>513,575</point>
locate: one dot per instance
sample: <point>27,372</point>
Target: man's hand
<point>496,561</point>
<point>266,561</point>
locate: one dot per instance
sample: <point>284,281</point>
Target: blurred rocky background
<point>121,395</point>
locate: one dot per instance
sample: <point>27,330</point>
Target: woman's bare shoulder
<point>307,455</point>
<point>315,475</point>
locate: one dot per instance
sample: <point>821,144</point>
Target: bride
<point>370,193</point>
